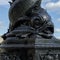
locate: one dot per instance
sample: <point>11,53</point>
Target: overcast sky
<point>52,7</point>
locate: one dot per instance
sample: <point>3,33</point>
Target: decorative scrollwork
<point>4,56</point>
<point>49,56</point>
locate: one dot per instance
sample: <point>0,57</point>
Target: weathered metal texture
<point>19,8</point>
<point>30,35</point>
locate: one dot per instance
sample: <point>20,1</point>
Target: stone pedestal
<point>47,49</point>
<point>42,49</point>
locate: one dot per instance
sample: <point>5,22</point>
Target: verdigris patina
<point>30,33</point>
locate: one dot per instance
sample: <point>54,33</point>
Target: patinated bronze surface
<point>30,34</point>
